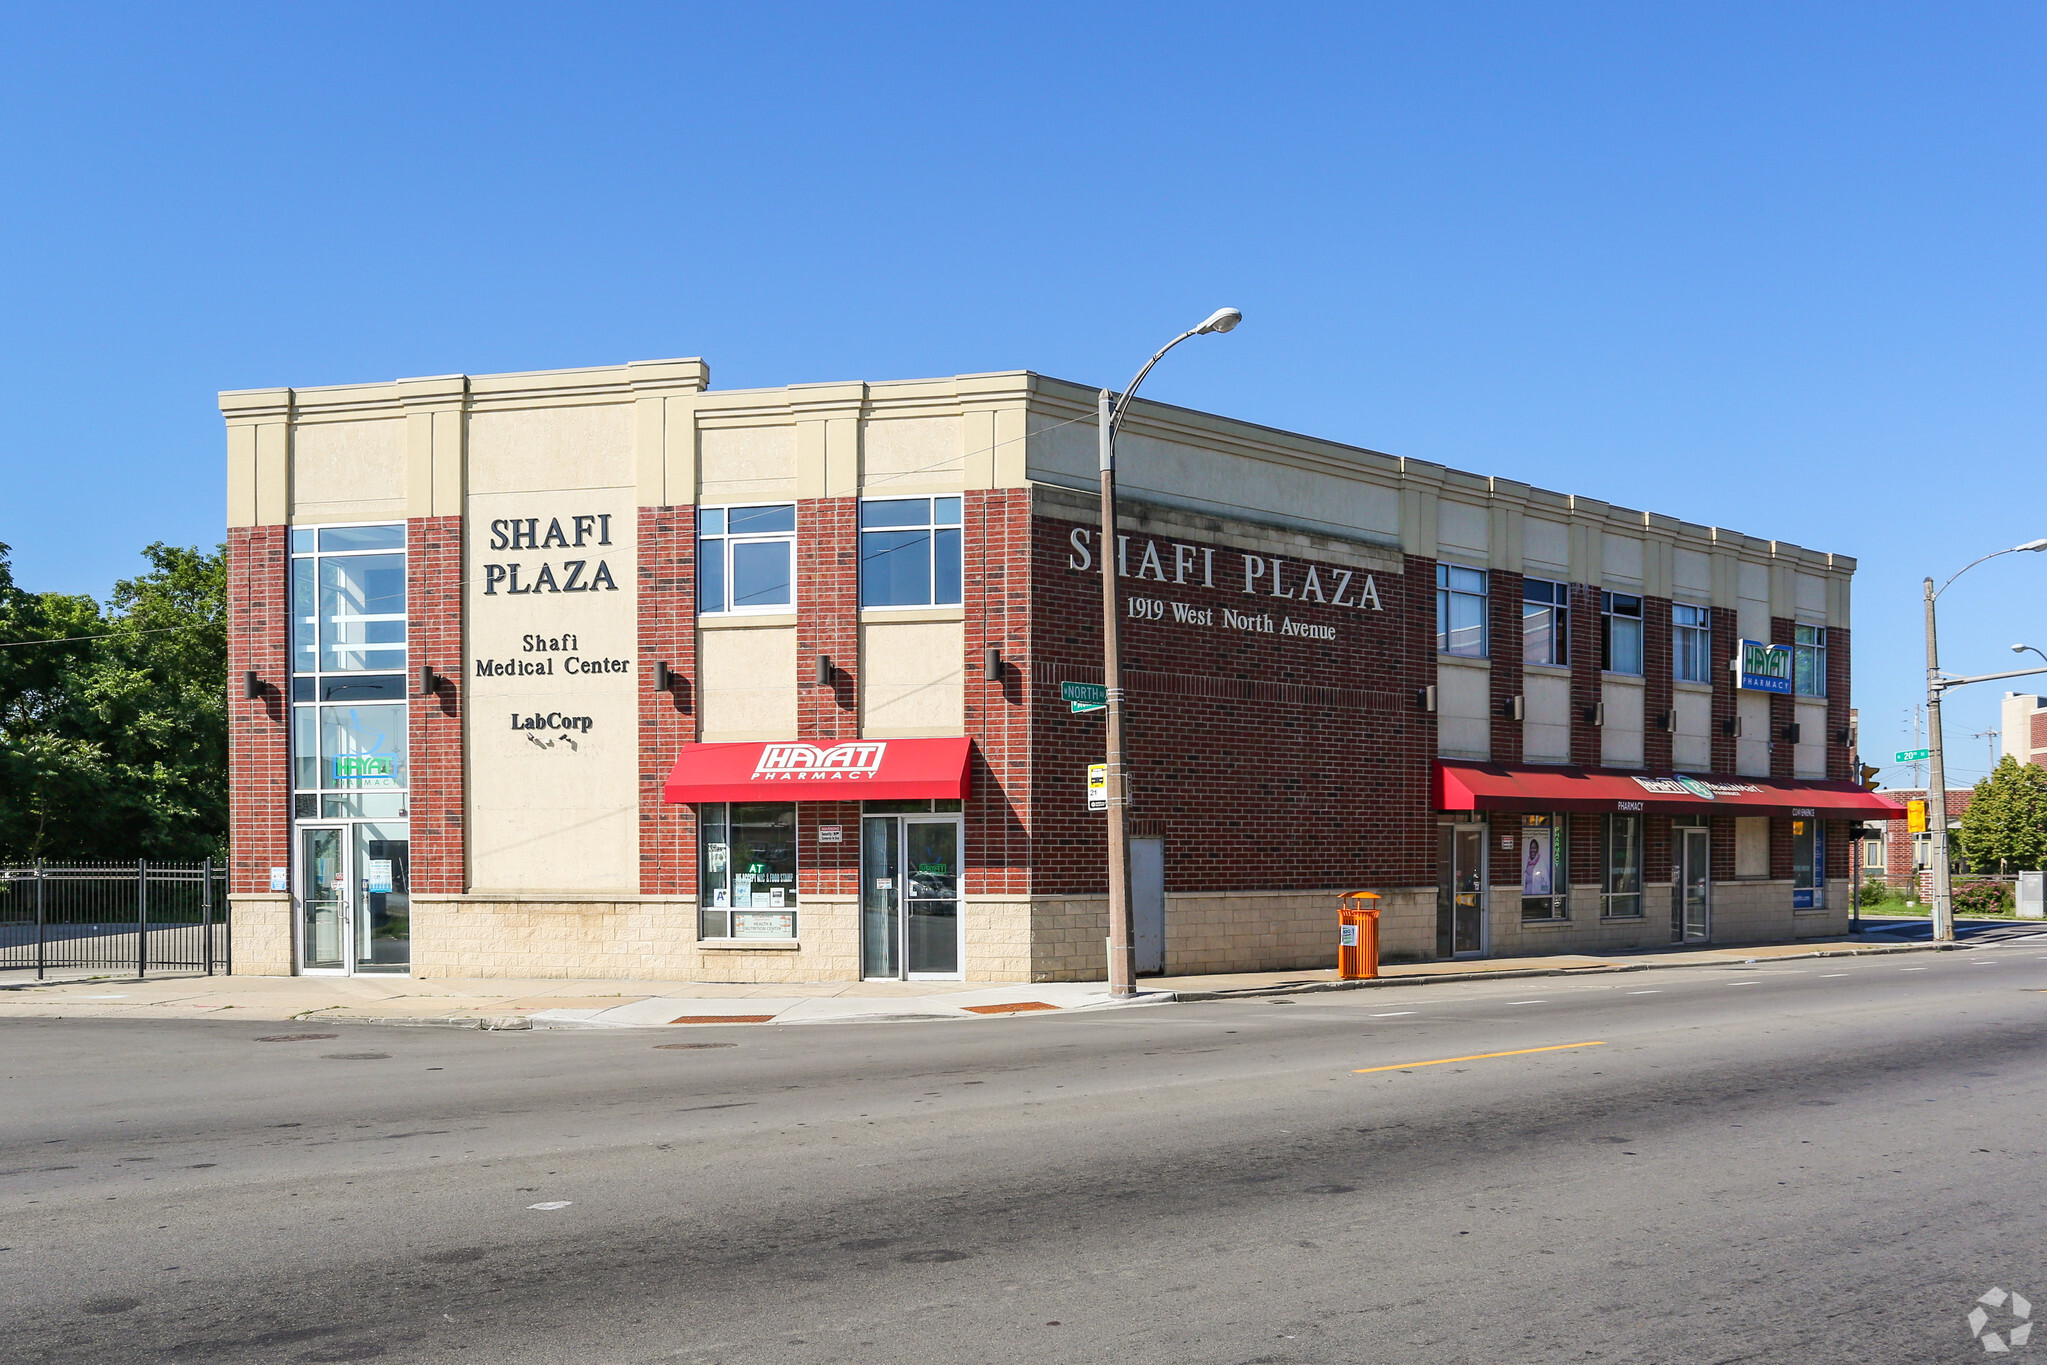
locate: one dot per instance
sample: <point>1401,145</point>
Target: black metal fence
<point>115,918</point>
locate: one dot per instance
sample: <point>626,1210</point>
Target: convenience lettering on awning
<point>1521,787</point>
<point>803,770</point>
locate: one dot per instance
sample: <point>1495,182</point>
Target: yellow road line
<point>1474,1057</point>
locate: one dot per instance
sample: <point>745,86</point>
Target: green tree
<point>113,735</point>
<point>2005,826</point>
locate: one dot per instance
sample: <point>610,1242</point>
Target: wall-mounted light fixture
<point>1514,707</point>
<point>991,664</point>
<point>429,681</point>
<point>1791,733</point>
<point>252,686</point>
<point>1425,697</point>
<point>1731,727</point>
<point>664,681</point>
<point>1595,714</point>
<point>1843,735</point>
<point>1666,721</point>
<point>825,672</point>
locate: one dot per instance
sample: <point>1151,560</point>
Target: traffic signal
<point>1869,772</point>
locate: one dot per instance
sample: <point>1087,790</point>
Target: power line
<point>112,635</point>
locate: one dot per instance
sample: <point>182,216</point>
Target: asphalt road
<point>1825,1160</point>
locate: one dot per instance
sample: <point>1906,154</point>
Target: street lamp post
<point>1109,416</point>
<point>1936,790</point>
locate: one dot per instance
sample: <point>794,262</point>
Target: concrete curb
<point>488,1025</point>
<point>1601,969</point>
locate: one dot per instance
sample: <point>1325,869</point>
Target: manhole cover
<point>723,1019</point>
<point>297,1037</point>
<point>688,1047</point>
<point>354,1056</point>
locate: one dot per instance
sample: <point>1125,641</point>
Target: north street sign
<point>1084,696</point>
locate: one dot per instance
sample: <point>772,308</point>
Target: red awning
<point>846,770</point>
<point>1505,786</point>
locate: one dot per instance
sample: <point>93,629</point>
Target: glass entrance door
<point>1694,919</point>
<point>909,898</point>
<point>323,897</point>
<point>1460,890</point>
<point>354,893</point>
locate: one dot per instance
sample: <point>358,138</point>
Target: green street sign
<point>1912,755</point>
<point>1084,696</point>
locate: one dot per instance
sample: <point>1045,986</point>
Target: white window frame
<point>930,528</point>
<point>726,540</point>
<point>1608,897</point>
<point>1607,616</point>
<point>1704,630</point>
<point>326,787</point>
<point>1559,607</point>
<point>1814,650</point>
<point>1444,595</point>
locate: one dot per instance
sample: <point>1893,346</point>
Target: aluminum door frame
<point>1446,884</point>
<point>302,879</point>
<point>1685,853</point>
<point>959,894</point>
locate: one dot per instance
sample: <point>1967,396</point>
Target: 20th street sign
<point>1084,696</point>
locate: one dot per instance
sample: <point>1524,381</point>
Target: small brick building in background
<point>494,636</point>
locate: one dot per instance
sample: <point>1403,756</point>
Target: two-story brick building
<point>605,673</point>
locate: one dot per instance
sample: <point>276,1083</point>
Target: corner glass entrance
<point>909,898</point>
<point>354,904</point>
<point>1692,917</point>
<point>1460,890</point>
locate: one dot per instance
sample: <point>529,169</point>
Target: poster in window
<point>1535,862</point>
<point>764,925</point>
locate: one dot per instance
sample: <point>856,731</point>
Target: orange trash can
<point>1357,936</point>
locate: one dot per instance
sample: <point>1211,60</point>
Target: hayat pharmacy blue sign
<point>1762,668</point>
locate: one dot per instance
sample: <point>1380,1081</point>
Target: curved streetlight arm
<point>2029,545</point>
<point>1121,402</point>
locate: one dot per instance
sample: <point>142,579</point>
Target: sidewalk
<point>498,1003</point>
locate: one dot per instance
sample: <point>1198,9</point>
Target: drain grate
<point>297,1037</point>
<point>723,1019</point>
<point>1019,1007</point>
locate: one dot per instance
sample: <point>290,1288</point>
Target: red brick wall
<point>828,616</point>
<point>1658,695</point>
<point>1840,760</point>
<point>259,753</point>
<point>433,629</point>
<point>997,589</point>
<point>1504,611</point>
<point>2036,727</point>
<point>1783,758</point>
<point>1725,631</point>
<point>1585,686</point>
<point>1273,762</point>
<point>668,634</point>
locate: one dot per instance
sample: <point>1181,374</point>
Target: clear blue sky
<point>1772,267</point>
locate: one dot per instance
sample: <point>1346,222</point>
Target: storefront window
<point>1545,622</point>
<point>349,739</point>
<point>746,869</point>
<point>1545,883</point>
<point>1620,633</point>
<point>1621,846</point>
<point>1691,643</point>
<point>746,557</point>
<point>909,552</point>
<point>1808,865</point>
<point>1460,611</point>
<point>1809,661</point>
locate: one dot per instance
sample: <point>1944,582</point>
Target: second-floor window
<point>1545,622</point>
<point>1620,633</point>
<point>909,552</point>
<point>1809,661</point>
<point>1691,643</point>
<point>746,557</point>
<point>1460,611</point>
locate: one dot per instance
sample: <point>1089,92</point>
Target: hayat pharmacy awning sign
<point>1762,668</point>
<point>800,770</point>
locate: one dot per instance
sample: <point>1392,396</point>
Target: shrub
<point>1874,892</point>
<point>1983,898</point>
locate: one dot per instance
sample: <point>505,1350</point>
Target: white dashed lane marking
<point>1645,992</point>
<point>1393,1015</point>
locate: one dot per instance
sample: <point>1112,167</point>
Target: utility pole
<point>1936,786</point>
<point>1122,945</point>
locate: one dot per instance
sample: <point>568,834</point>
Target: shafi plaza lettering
<point>606,673</point>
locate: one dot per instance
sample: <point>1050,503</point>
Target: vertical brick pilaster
<point>1783,711</point>
<point>997,591</point>
<point>1504,596</point>
<point>1586,691</point>
<point>668,634</point>
<point>828,617</point>
<point>433,631</point>
<point>1658,695</point>
<point>1840,759</point>
<point>259,748</point>
<point>1721,652</point>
